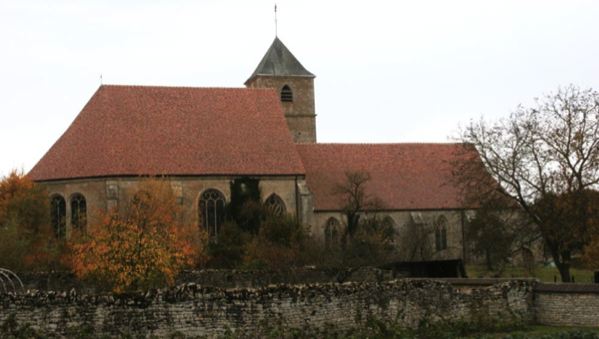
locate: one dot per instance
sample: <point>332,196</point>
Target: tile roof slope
<point>278,60</point>
<point>404,176</point>
<point>142,130</point>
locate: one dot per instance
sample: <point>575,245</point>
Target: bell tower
<point>280,70</point>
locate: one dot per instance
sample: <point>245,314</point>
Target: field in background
<point>543,273</point>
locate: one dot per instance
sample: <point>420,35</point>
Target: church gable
<point>140,130</point>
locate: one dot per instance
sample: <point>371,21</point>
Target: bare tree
<point>354,199</point>
<point>367,239</point>
<point>537,157</point>
<point>497,233</point>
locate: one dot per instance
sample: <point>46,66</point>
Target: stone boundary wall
<point>567,304</point>
<point>558,304</point>
<point>224,278</point>
<point>206,311</point>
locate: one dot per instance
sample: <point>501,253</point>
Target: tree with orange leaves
<point>24,225</point>
<point>144,247</point>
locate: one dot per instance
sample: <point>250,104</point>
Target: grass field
<point>543,332</point>
<point>545,274</point>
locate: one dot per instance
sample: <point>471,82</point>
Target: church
<point>201,139</point>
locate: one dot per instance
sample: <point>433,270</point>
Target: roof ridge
<point>380,144</point>
<point>182,87</point>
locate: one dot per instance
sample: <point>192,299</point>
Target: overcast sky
<point>387,71</point>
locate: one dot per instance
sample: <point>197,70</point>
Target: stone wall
<point>224,278</point>
<point>205,311</point>
<point>567,304</point>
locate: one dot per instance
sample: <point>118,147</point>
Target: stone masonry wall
<point>301,112</point>
<point>223,278</point>
<point>567,305</point>
<point>203,311</point>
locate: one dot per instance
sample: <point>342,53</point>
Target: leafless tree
<point>354,199</point>
<point>541,157</point>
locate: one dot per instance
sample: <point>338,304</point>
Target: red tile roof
<point>135,130</point>
<point>403,176</point>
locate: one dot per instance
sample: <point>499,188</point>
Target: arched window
<point>441,234</point>
<point>78,212</point>
<point>141,201</point>
<point>275,205</point>
<point>389,228</point>
<point>212,211</point>
<point>331,233</point>
<point>286,94</point>
<point>58,214</point>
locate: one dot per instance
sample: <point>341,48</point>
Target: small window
<point>78,212</point>
<point>441,234</point>
<point>275,205</point>
<point>286,94</point>
<point>58,215</point>
<point>331,233</point>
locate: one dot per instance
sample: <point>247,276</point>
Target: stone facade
<point>193,310</point>
<point>414,230</point>
<point>103,194</point>
<point>299,113</point>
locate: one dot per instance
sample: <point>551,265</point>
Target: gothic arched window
<point>286,94</point>
<point>58,214</point>
<point>441,234</point>
<point>78,212</point>
<point>389,228</point>
<point>212,211</point>
<point>331,233</point>
<point>275,205</point>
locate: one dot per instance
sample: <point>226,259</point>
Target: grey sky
<point>387,71</point>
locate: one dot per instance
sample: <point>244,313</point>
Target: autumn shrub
<point>145,247</point>
<point>228,249</point>
<point>25,235</point>
<point>279,244</point>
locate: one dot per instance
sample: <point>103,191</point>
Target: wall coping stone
<point>567,288</point>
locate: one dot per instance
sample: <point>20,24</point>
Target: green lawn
<point>545,274</point>
<point>545,332</point>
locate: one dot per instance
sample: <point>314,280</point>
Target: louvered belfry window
<point>286,94</point>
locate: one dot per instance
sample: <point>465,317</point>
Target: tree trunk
<point>560,259</point>
<point>488,260</point>
<point>564,271</point>
<point>562,262</point>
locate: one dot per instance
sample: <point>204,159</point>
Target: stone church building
<point>202,138</point>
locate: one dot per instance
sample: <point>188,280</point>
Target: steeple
<point>279,61</point>
<point>280,69</point>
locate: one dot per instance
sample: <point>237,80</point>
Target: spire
<point>278,60</point>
